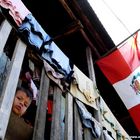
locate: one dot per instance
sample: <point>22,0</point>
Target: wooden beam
<point>78,130</point>
<point>56,129</point>
<point>88,25</point>
<point>69,117</point>
<point>10,85</point>
<point>90,44</point>
<point>97,114</point>
<point>39,128</point>
<point>69,11</point>
<point>5,30</point>
<point>72,28</point>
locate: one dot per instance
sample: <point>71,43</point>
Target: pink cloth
<point>53,75</point>
<point>16,9</point>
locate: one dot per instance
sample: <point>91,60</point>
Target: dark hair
<point>28,92</point>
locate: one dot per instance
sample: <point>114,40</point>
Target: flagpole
<point>114,48</point>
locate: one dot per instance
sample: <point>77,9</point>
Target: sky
<point>121,18</point>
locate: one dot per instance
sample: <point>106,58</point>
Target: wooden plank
<point>97,114</point>
<point>5,30</point>
<point>10,85</point>
<point>69,117</point>
<point>78,130</point>
<point>87,134</point>
<point>73,17</point>
<point>56,130</point>
<point>39,128</point>
<point>90,65</point>
<point>63,108</point>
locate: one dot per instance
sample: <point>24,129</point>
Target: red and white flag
<point>122,69</point>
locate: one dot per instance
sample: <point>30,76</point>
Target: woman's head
<point>22,100</point>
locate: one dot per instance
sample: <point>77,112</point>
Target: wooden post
<point>69,117</point>
<point>56,130</point>
<point>5,30</point>
<point>10,85</point>
<point>87,134</point>
<point>92,77</point>
<point>40,120</point>
<point>78,130</point>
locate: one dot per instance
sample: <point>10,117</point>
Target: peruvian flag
<point>122,69</point>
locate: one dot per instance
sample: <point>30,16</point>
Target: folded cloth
<point>17,10</point>
<point>83,88</point>
<point>53,75</point>
<point>88,121</point>
<point>33,33</point>
<point>57,59</point>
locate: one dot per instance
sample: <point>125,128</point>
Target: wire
<point>116,16</point>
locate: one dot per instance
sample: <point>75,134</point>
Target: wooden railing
<point>63,106</point>
<point>10,84</point>
<point>66,123</point>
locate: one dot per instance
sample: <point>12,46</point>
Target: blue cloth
<point>88,121</point>
<point>57,58</point>
<point>35,36</point>
<point>33,32</point>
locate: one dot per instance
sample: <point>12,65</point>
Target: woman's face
<point>21,103</point>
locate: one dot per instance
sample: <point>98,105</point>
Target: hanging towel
<point>110,122</point>
<point>57,58</point>
<point>88,121</point>
<point>108,119</point>
<point>53,75</point>
<point>33,33</point>
<point>35,36</point>
<point>83,88</point>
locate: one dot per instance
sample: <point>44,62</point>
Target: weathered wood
<point>69,117</point>
<point>90,43</point>
<point>63,109</point>
<point>78,130</point>
<point>10,85</point>
<point>87,134</point>
<point>87,23</point>
<point>5,30</point>
<point>72,28</point>
<point>84,18</point>
<point>69,11</point>
<point>90,65</point>
<point>4,67</point>
<point>56,130</point>
<point>39,128</point>
<point>97,115</point>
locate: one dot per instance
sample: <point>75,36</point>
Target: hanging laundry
<point>17,10</point>
<point>121,134</point>
<point>88,121</point>
<point>32,32</point>
<point>107,136</point>
<point>36,37</point>
<point>34,89</point>
<point>36,74</point>
<point>57,58</point>
<point>83,88</point>
<point>28,83</point>
<point>53,75</point>
<point>110,122</point>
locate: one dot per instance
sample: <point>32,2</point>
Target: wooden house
<point>77,31</point>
